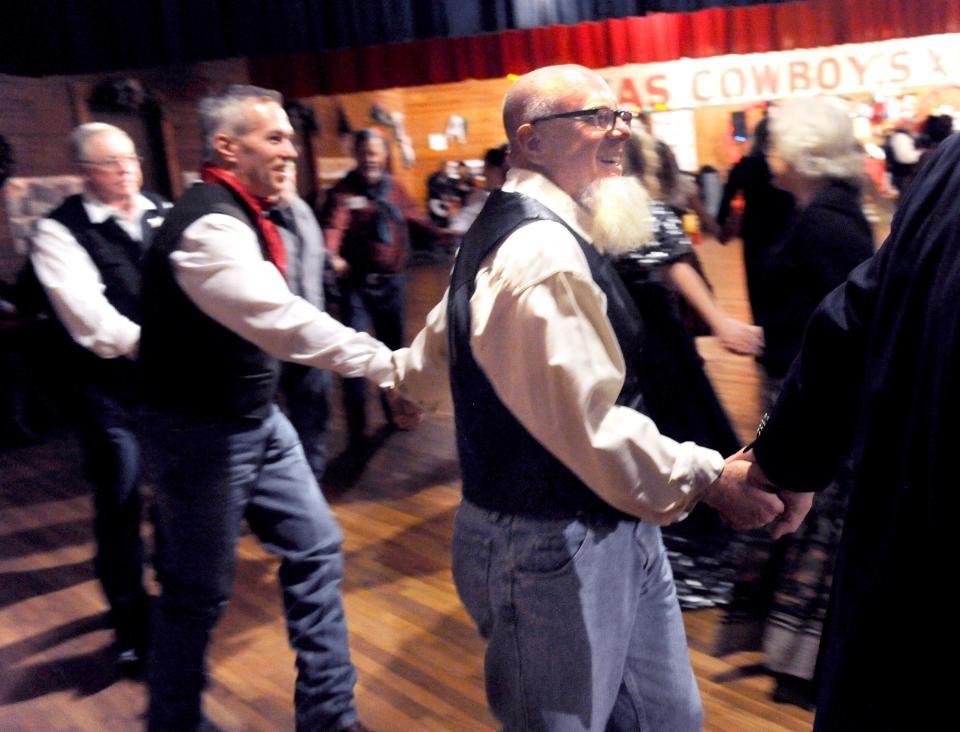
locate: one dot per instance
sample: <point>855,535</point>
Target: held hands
<point>404,414</point>
<point>739,337</point>
<point>742,495</point>
<point>797,505</point>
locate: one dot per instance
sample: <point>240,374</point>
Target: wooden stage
<point>417,653</point>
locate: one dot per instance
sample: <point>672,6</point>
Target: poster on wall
<point>679,131</point>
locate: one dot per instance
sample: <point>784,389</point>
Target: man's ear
<point>530,142</point>
<point>226,147</point>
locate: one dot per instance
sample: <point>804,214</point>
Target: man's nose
<point>620,128</point>
<point>289,149</point>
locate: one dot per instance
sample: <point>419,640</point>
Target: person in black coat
<point>782,591</point>
<point>878,372</point>
<point>766,210</point>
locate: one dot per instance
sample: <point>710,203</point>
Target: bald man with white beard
<point>557,553</point>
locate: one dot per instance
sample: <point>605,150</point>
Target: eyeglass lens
<point>607,118</point>
<point>116,162</point>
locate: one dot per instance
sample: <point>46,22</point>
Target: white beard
<point>619,218</point>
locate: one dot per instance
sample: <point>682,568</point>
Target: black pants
<point>112,457</point>
<point>376,306</point>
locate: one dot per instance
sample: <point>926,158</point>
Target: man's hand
<point>740,337</point>
<point>404,414</point>
<point>742,495</point>
<point>340,265</point>
<point>797,505</point>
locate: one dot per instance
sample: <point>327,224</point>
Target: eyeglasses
<point>114,163</point>
<point>604,118</point>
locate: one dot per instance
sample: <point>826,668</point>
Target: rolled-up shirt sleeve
<point>76,292</point>
<point>541,335</point>
<point>221,269</point>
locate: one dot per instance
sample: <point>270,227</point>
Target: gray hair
<point>226,112</point>
<point>539,92</point>
<point>815,136</point>
<point>81,135</point>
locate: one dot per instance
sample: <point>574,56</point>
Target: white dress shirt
<point>73,283</point>
<point>221,269</point>
<point>541,335</point>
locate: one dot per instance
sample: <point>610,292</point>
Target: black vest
<point>118,258</point>
<point>504,468</point>
<point>190,363</point>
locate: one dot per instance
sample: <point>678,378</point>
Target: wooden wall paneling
<point>426,110</point>
<point>172,160</point>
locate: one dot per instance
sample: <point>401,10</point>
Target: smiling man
<point>218,319</point>
<point>556,553</point>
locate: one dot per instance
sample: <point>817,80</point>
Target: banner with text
<point>742,79</point>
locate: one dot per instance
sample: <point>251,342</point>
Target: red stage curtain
<point>657,37</point>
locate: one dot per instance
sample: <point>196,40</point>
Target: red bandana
<point>218,176</point>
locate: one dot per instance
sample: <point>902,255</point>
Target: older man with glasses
<point>556,553</point>
<point>87,256</point>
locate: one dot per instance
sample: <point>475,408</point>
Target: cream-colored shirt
<point>540,332</point>
<point>73,283</point>
<point>220,267</point>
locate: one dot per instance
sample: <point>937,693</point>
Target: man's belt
<point>377,278</point>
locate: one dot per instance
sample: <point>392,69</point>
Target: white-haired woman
<point>814,156</point>
<point>782,591</point>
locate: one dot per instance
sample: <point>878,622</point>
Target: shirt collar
<point>543,190</point>
<point>98,211</point>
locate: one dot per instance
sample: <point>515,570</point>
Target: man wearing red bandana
<point>218,320</point>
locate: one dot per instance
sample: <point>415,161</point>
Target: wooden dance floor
<point>417,654</point>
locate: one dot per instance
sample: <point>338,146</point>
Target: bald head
<point>545,91</point>
<point>571,150</point>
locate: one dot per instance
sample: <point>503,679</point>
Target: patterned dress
<point>679,397</point>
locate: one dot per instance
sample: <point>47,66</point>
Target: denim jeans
<point>306,392</point>
<point>112,461</point>
<point>212,473</point>
<point>582,622</point>
<point>377,309</point>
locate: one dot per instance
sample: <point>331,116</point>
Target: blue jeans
<point>377,309</point>
<point>306,392</point>
<point>581,617</point>
<point>212,473</point>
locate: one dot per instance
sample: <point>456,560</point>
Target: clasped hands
<point>404,413</point>
<point>745,498</point>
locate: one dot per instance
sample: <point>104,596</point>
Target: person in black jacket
<point>766,210</point>
<point>878,373</point>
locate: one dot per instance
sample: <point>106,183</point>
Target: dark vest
<point>189,362</point>
<point>504,468</point>
<point>118,258</point>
